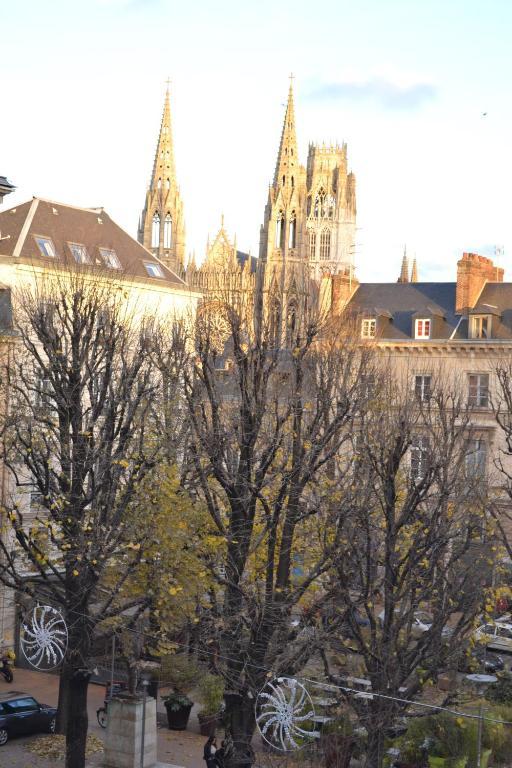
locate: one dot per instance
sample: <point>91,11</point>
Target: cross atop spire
<point>287,161</point>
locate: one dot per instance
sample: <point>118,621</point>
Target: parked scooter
<point>6,660</point>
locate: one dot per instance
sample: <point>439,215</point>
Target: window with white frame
<point>368,328</point>
<point>46,246</point>
<point>478,389</point>
<point>476,457</point>
<point>110,258</point>
<point>422,329</point>
<point>423,387</point>
<point>154,270</point>
<point>79,253</point>
<point>481,326</point>
<point>420,451</point>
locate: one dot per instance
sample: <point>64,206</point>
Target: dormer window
<point>368,328</point>
<point>79,252</point>
<point>481,326</point>
<point>109,256</point>
<point>422,329</point>
<point>46,246</point>
<point>153,270</point>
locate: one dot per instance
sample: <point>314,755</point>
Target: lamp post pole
<point>144,686</point>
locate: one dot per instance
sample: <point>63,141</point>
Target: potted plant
<point>182,674</point>
<point>210,694</point>
<point>443,737</point>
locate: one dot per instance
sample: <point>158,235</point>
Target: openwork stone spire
<point>404,272</point>
<point>287,156</point>
<point>162,224</point>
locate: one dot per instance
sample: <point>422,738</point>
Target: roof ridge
<point>100,209</point>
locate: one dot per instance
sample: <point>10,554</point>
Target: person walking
<point>221,754</point>
<point>209,752</point>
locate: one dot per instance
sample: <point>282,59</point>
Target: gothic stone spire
<point>287,161</point>
<point>414,272</point>
<point>162,225</point>
<point>404,272</point>
<point>163,167</point>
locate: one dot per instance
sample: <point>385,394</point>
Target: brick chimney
<point>473,271</point>
<point>343,287</point>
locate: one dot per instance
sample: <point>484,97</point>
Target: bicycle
<point>102,712</point>
<point>102,716</point>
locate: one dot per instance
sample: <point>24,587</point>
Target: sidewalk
<point>181,748</point>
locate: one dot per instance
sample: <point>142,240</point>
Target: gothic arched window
<point>274,322</point>
<point>325,245</point>
<point>284,180</point>
<point>167,183</point>
<point>311,245</point>
<point>293,230</point>
<point>159,185</point>
<point>320,203</point>
<point>155,231</point>
<point>291,321</point>
<point>331,205</point>
<point>293,182</point>
<point>167,231</point>
<point>279,230</point>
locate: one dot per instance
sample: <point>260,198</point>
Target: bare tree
<point>415,539</point>
<point>501,402</point>
<point>266,425</point>
<point>81,390</point>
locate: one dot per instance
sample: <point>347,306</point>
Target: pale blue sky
<point>404,82</point>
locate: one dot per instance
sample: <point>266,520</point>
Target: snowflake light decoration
<point>44,637</point>
<point>285,714</point>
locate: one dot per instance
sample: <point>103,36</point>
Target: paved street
<point>179,748</point>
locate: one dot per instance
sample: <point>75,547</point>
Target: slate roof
<point>242,258</point>
<point>65,224</point>
<point>404,302</point>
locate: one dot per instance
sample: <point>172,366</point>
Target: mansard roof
<point>398,305</point>
<point>404,301</point>
<point>67,225</point>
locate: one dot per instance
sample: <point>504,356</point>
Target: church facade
<point>307,234</point>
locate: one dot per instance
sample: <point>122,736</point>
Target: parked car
<point>421,623</point>
<point>21,714</point>
<point>481,660</point>
<point>496,635</point>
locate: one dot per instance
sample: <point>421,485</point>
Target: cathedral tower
<point>162,225</point>
<point>331,211</point>
<point>285,279</point>
<point>309,225</point>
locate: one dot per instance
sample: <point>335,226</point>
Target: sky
<point>419,90</point>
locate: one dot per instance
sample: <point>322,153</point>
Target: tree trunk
<point>64,698</point>
<point>76,731</point>
<point>240,725</point>
<point>375,748</point>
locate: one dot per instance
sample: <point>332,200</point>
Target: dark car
<point>21,714</point>
<point>481,660</point>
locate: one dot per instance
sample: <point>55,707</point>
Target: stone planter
<point>177,719</point>
<point>208,724</point>
<point>123,739</point>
